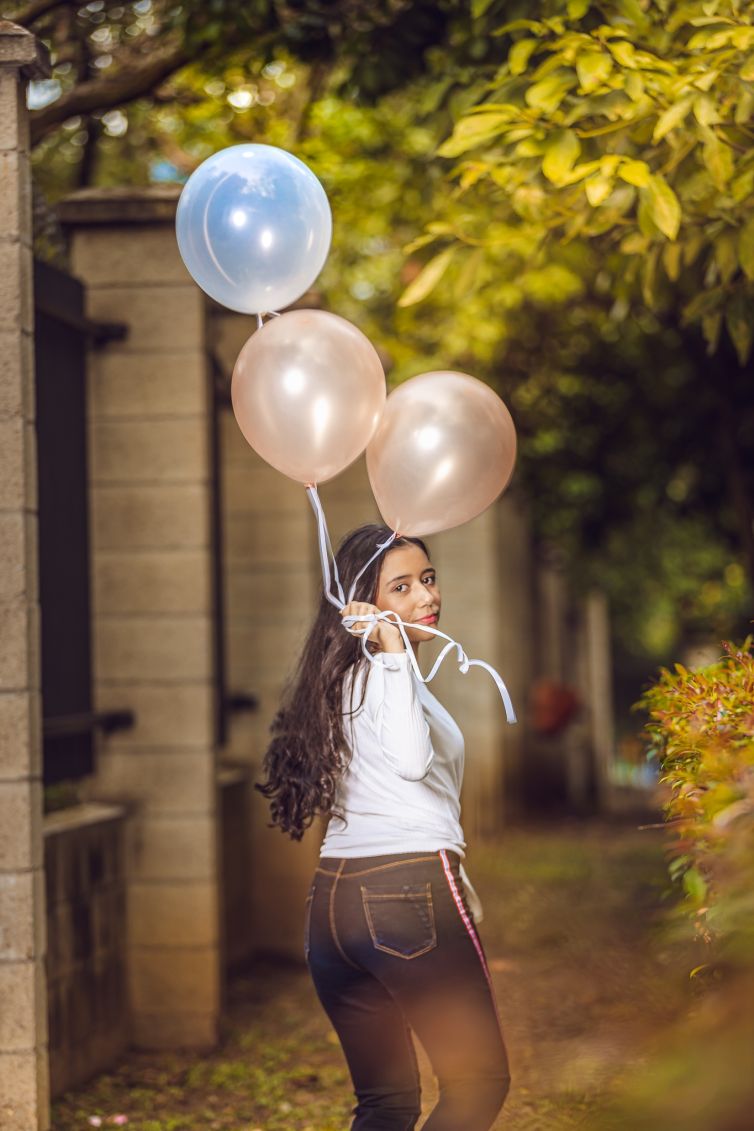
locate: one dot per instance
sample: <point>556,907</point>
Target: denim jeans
<point>391,947</point>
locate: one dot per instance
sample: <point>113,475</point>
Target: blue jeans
<point>391,947</point>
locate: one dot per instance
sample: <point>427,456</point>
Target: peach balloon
<point>443,451</point>
<point>308,390</point>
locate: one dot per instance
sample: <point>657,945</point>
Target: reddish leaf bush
<point>701,728</point>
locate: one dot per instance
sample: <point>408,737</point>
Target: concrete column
<point>24,1073</point>
<point>599,666</point>
<point>151,481</point>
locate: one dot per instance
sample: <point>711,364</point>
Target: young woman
<point>389,935</point>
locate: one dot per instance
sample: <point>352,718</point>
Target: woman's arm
<point>393,711</point>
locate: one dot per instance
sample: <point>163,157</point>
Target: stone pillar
<point>152,554</point>
<point>599,665</point>
<point>24,1074</point>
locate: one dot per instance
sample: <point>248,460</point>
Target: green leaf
<point>519,55</point>
<point>561,153</point>
<point>738,323</point>
<point>547,94</point>
<point>472,130</point>
<point>624,54</point>
<point>671,260</point>
<point>672,117</point>
<point>427,279</point>
<point>726,255</point>
<point>479,7</point>
<point>706,302</point>
<point>746,248</point>
<point>593,68</point>
<point>742,186</point>
<point>598,189</point>
<point>663,205</point>
<point>744,107</point>
<point>468,276</point>
<point>747,70</point>
<point>707,79</point>
<point>712,324</point>
<point>634,172</point>
<point>718,158</point>
<point>694,885</point>
<point>649,276</point>
<point>705,110</point>
<point>577,9</point>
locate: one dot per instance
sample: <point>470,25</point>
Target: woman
<point>389,937</point>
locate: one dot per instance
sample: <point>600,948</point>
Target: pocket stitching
<point>365,898</point>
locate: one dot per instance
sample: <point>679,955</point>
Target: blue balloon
<point>254,227</point>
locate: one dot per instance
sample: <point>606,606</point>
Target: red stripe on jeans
<point>462,912</point>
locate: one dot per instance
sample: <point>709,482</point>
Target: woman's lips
<point>428,620</point>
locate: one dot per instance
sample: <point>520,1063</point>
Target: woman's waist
<point>345,866</point>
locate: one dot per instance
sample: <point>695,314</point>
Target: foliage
<point>626,124</point>
<point>702,729</point>
<point>106,54</point>
<point>625,456</point>
<point>700,1073</point>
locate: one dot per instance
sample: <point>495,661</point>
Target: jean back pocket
<point>400,918</point>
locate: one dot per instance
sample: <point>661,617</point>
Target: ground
<point>586,973</point>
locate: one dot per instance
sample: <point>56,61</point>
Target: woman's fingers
<point>360,609</point>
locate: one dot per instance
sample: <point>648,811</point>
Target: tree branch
<point>34,10</point>
<point>131,81</point>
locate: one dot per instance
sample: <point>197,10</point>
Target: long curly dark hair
<point>308,752</point>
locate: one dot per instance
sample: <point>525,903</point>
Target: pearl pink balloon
<point>308,390</point>
<point>444,450</point>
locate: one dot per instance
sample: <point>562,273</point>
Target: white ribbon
<point>326,554</point>
<point>330,577</point>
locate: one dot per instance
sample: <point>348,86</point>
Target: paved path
<point>585,976</point>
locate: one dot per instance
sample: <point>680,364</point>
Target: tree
<point>624,129</point>
<point>612,400</point>
<point>106,53</point>
<point>626,124</point>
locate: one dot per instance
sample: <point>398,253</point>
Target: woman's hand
<point>385,634</point>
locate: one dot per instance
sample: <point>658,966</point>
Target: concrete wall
<point>150,461</point>
<point>87,932</point>
<point>24,1075</point>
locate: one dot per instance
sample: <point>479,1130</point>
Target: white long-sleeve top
<point>401,791</point>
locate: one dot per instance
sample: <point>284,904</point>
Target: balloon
<point>308,390</point>
<point>253,227</point>
<point>444,450</point>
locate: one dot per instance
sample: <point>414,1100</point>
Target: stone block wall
<point>149,424</point>
<point>87,931</point>
<point>24,1074</point>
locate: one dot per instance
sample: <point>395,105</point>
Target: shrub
<point>701,728</point>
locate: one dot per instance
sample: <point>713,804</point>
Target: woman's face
<point>408,586</point>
